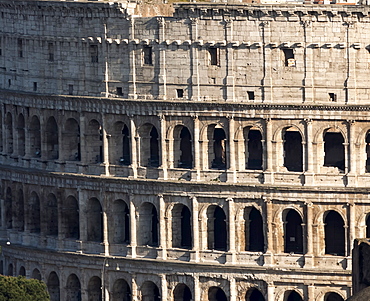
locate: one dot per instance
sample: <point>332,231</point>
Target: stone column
<point>311,291</point>
<point>134,290</point>
<point>194,61</point>
<point>197,292</point>
<point>162,78</point>
<point>163,147</point>
<point>233,291</point>
<point>232,256</point>
<point>83,146</point>
<point>309,242</point>
<point>270,291</point>
<point>268,230</point>
<point>134,148</point>
<point>230,78</point>
<point>268,153</point>
<point>231,152</point>
<point>105,146</point>
<point>309,173</point>
<point>133,220</point>
<point>132,53</point>
<point>82,215</point>
<point>195,229</point>
<point>267,94</point>
<point>351,222</point>
<point>164,287</point>
<point>352,156</point>
<point>162,228</point>
<point>196,148</point>
<point>3,133</point>
<point>105,223</point>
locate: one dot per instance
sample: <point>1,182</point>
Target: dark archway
<point>22,271</point>
<point>52,215</point>
<point>333,297</point>
<point>293,150</point>
<point>36,274</point>
<point>73,288</point>
<point>18,213</point>
<point>71,218</point>
<point>219,149</point>
<point>334,234</point>
<point>21,133</point>
<point>148,225</point>
<point>253,148</point>
<point>216,294</point>
<point>254,295</point>
<point>254,237</point>
<point>94,142</point>
<point>182,293</point>
<point>149,146</point>
<point>8,203</point>
<point>71,141</point>
<point>368,225</point>
<point>186,149</point>
<point>94,217</point>
<point>120,145</point>
<point>293,232</point>
<point>150,292</point>
<point>334,150</point>
<point>10,270</point>
<point>52,139</point>
<point>216,228</point>
<point>33,212</point>
<point>181,227</point>
<point>53,287</point>
<point>94,289</point>
<point>9,133</point>
<point>35,137</point>
<point>120,223</point>
<point>292,296</point>
<point>121,291</point>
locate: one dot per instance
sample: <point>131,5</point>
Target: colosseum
<point>195,151</point>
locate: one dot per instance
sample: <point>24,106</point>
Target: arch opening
<point>52,139</point>
<point>53,287</point>
<point>216,228</point>
<point>94,289</point>
<point>182,293</point>
<point>121,291</point>
<point>216,294</point>
<point>94,221</point>
<point>334,150</point>
<point>219,149</point>
<point>253,148</point>
<point>293,232</point>
<point>254,237</point>
<point>181,227</point>
<point>148,225</point>
<point>334,234</point>
<point>293,150</point>
<point>73,288</point>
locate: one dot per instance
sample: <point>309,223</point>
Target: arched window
<point>253,148</point>
<point>52,139</point>
<point>293,151</point>
<point>21,135</point>
<point>334,234</point>
<point>71,141</point>
<point>333,297</point>
<point>35,137</point>
<point>182,293</point>
<point>94,142</point>
<point>34,213</point>
<point>120,145</point>
<point>9,133</point>
<point>71,218</point>
<point>216,294</point>
<point>94,289</point>
<point>125,159</point>
<point>293,235</point>
<point>254,238</point>
<point>334,150</point>
<point>148,225</point>
<point>181,227</point>
<point>53,287</point>
<point>149,145</point>
<point>120,223</point>
<point>368,225</point>
<point>216,228</point>
<point>52,215</point>
<point>9,208</point>
<point>94,221</point>
<point>22,271</point>
<point>73,288</point>
<point>183,150</point>
<point>218,149</point>
<point>150,292</point>
<point>121,291</point>
<point>19,212</point>
<point>254,295</point>
<point>292,296</point>
<point>36,274</point>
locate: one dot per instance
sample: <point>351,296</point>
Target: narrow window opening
<point>213,56</point>
<point>253,149</point>
<point>293,234</point>
<point>154,148</point>
<point>334,234</point>
<point>250,95</point>
<point>293,150</point>
<point>148,55</point>
<point>289,57</point>
<point>254,238</point>
<point>70,89</point>
<point>34,86</point>
<point>9,82</point>
<point>51,52</point>
<point>186,158</point>
<point>20,48</point>
<point>94,53</point>
<point>219,149</point>
<point>368,226</point>
<point>119,91</point>
<point>334,150</point>
<point>332,97</point>
<point>180,93</point>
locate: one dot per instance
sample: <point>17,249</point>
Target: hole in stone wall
<point>250,95</point>
<point>289,57</point>
<point>253,148</point>
<point>147,55</point>
<point>119,91</point>
<point>213,56</point>
<point>179,93</point>
<point>334,234</point>
<point>293,150</point>
<point>332,97</point>
<point>293,232</point>
<point>334,150</point>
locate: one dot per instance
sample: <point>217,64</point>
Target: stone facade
<point>217,153</point>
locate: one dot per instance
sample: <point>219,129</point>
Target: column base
<point>268,177</point>
<point>351,180</point>
<point>309,261</point>
<point>162,254</point>
<point>231,176</point>
<point>309,179</point>
<point>231,258</point>
<point>131,251</point>
<point>194,256</point>
<point>268,259</point>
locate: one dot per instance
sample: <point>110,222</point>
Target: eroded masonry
<point>216,152</point>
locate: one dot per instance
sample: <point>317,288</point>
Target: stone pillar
<point>351,222</point>
<point>132,65</point>
<point>233,291</point>
<point>134,290</point>
<point>309,242</point>
<point>311,291</point>
<point>3,136</point>
<point>82,215</point>
<point>353,158</point>
<point>196,149</point>
<point>308,81</point>
<point>105,146</point>
<point>268,230</point>
<point>134,148</point>
<point>133,220</point>
<point>163,147</point>
<point>232,239</point>
<point>194,61</point>
<point>162,78</point>
<point>83,146</point>
<point>105,226</point>
<point>230,78</point>
<point>195,229</point>
<point>309,173</point>
<point>231,152</point>
<point>267,94</point>
<point>164,287</point>
<point>268,153</point>
<point>270,291</point>
<point>162,229</point>
<point>197,292</point>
